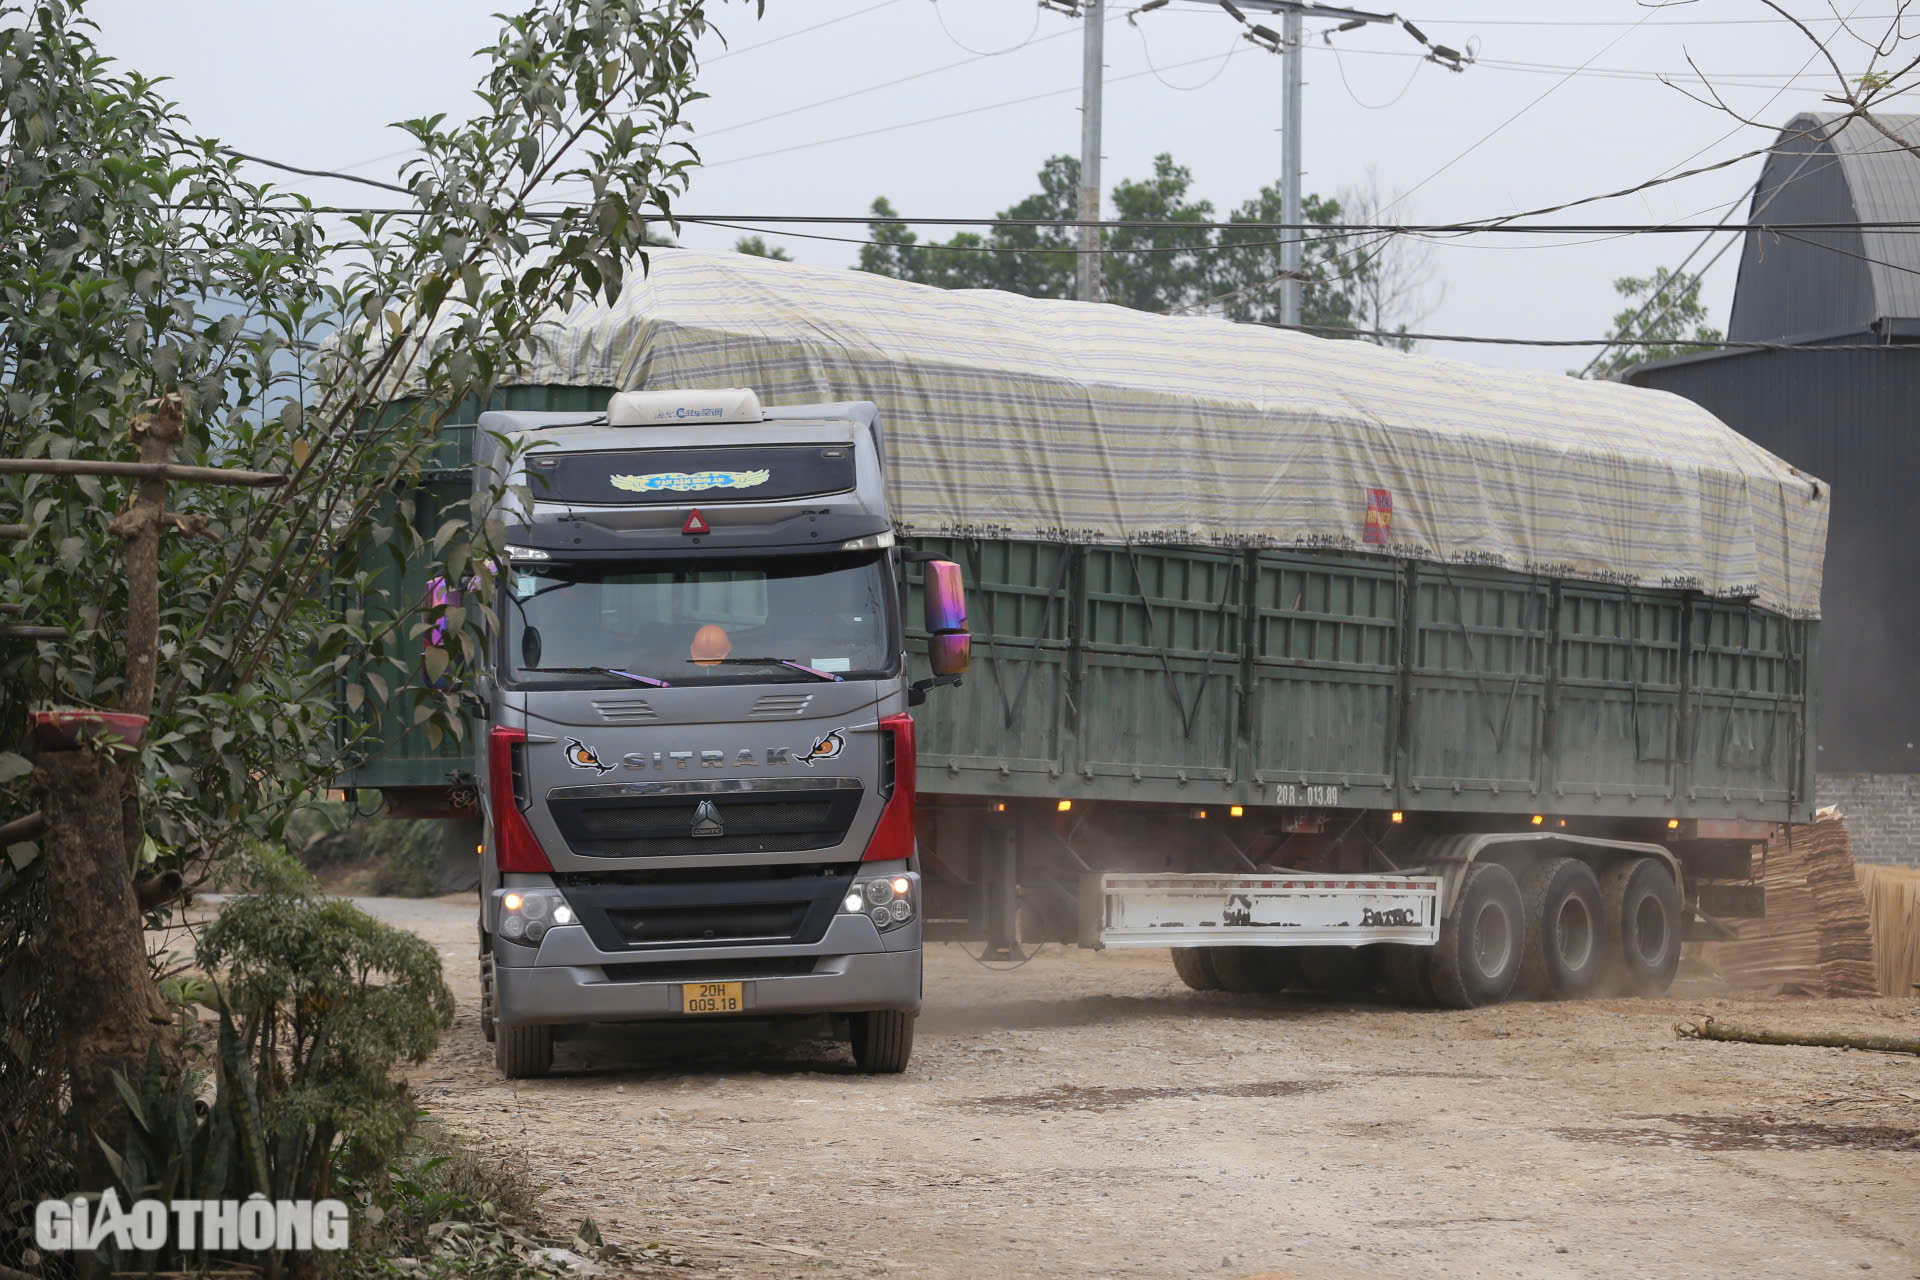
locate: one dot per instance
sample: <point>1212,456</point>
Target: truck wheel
<point>1567,949</point>
<point>486,997</point>
<point>882,1041</point>
<point>1253,970</point>
<point>1408,973</point>
<point>523,1052</point>
<point>1336,971</point>
<point>1643,921</point>
<point>1195,969</point>
<point>1477,959</point>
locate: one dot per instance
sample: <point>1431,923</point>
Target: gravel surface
<point>1088,1115</point>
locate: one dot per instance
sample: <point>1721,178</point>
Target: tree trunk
<point>112,1014</point>
<point>113,1017</point>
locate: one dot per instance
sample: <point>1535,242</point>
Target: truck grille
<point>725,908</point>
<point>667,825</point>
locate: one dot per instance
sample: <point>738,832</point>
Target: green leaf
<point>355,697</point>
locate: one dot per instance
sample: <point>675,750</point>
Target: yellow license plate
<point>712,997</point>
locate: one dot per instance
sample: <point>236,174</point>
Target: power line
<point>876,88</point>
<point>958,43</point>
<point>1488,226</point>
<point>947,115</point>
<point>818,26</point>
<point>1484,340</point>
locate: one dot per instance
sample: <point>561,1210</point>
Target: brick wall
<point>1882,812</point>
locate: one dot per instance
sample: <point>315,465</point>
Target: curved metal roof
<point>1882,178</point>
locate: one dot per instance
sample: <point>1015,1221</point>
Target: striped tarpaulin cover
<point>1032,419</point>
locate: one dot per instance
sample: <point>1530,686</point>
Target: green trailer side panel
<point>1005,724</point>
<point>1325,674</point>
<point>1202,675</point>
<point>1616,712</point>
<point>1162,633</point>
<point>1479,680</point>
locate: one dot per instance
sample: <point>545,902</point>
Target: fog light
<point>878,891</point>
<point>901,909</point>
<point>855,903</point>
<point>512,926</point>
<point>881,917</point>
<point>563,914</point>
<point>536,930</point>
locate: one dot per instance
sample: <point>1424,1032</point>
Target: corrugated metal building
<point>1852,418</point>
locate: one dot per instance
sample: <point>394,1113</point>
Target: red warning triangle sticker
<point>695,524</point>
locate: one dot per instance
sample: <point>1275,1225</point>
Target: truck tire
<point>1408,974</point>
<point>1477,960</point>
<point>1567,951</point>
<point>1336,971</point>
<point>523,1052</point>
<point>882,1041</point>
<point>486,996</point>
<point>1195,969</point>
<point>1643,921</point>
<point>1253,970</point>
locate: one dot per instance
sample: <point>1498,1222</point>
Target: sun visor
<point>683,408</point>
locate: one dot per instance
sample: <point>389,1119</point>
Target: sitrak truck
<point>1316,664</point>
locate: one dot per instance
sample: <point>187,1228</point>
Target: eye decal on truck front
<point>582,756</point>
<point>827,746</point>
<point>688,482</point>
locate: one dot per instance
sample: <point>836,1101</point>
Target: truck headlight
<point>888,901</point>
<point>525,915</point>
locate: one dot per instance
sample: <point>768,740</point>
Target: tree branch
<point>138,470</point>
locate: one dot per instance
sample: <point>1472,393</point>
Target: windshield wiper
<point>606,671</point>
<point>769,662</point>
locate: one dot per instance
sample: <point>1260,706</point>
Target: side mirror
<point>949,646</point>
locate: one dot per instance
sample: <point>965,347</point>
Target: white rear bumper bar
<point>1276,909</point>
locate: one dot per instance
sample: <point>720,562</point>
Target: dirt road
<point>1087,1115</point>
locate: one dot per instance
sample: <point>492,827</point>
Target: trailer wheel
<point>1195,969</point>
<point>1643,920</point>
<point>486,996</point>
<point>1408,973</point>
<point>1253,970</point>
<point>882,1041</point>
<point>1567,949</point>
<point>523,1052</point>
<point>1336,971</point>
<point>1477,959</point>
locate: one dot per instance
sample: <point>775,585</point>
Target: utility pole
<point>1291,73</point>
<point>1288,43</point>
<point>1092,76</point>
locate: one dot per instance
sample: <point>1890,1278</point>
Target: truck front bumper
<point>853,969</point>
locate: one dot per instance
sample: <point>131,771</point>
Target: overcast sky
<point>318,84</point>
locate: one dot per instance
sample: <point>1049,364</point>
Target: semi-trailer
<point>1314,662</point>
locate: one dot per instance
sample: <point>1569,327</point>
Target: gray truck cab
<point>699,751</point>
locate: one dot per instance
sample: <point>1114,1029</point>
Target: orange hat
<point>710,644</point>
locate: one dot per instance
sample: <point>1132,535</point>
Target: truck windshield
<point>694,623</point>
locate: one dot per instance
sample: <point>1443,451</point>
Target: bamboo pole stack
<point>1817,939</point>
<point>1893,904</point>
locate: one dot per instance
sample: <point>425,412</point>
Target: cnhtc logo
<point>255,1224</point>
